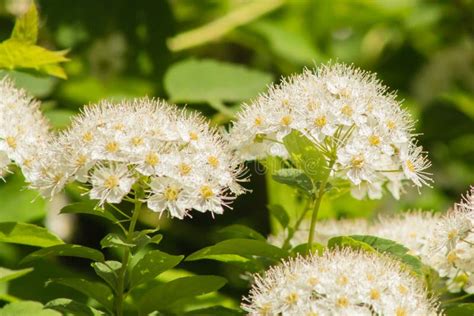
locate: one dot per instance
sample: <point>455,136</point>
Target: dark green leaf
<point>70,307</point>
<point>237,250</point>
<point>26,308</point>
<point>392,248</point>
<point>26,27</point>
<point>164,296</point>
<point>152,264</point>
<point>65,250</point>
<point>295,178</point>
<point>98,291</point>
<point>280,214</point>
<point>216,81</point>
<point>240,231</point>
<point>89,207</point>
<point>7,274</point>
<point>461,309</point>
<point>306,156</point>
<point>108,271</point>
<point>113,240</point>
<point>27,234</point>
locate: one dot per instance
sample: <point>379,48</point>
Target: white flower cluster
<point>451,247</point>
<point>23,129</point>
<point>184,163</point>
<point>348,109</point>
<point>340,282</point>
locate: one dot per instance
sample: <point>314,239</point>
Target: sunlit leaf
<point>26,26</point>
<point>7,274</point>
<point>27,308</point>
<point>27,234</point>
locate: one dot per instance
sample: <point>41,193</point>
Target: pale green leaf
<point>27,234</point>
<point>26,26</point>
<point>24,308</point>
<point>295,178</point>
<point>7,274</point>
<point>240,231</point>
<point>88,207</point>
<point>114,241</point>
<point>198,81</point>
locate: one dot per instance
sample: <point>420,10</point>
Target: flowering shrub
<point>134,163</point>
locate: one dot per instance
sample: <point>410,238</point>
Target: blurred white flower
<point>23,129</point>
<point>451,247</point>
<point>348,108</point>
<point>340,282</point>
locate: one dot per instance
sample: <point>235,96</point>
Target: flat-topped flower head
<point>347,109</point>
<point>451,247</point>
<point>23,130</point>
<point>340,282</point>
<point>181,161</point>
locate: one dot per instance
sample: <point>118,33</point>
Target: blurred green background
<point>213,56</point>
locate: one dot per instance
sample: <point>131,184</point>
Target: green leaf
<point>108,271</point>
<point>306,156</point>
<point>216,311</point>
<point>164,296</point>
<point>18,204</point>
<point>18,55</point>
<point>199,81</point>
<point>98,291</point>
<point>294,178</point>
<point>240,231</point>
<point>152,264</point>
<point>70,307</point>
<point>23,308</point>
<point>280,214</point>
<point>26,27</point>
<point>40,87</point>
<point>141,238</point>
<point>303,249</point>
<point>65,250</point>
<point>238,248</point>
<point>348,241</point>
<point>114,241</point>
<point>27,234</point>
<point>461,309</point>
<point>7,274</point>
<point>392,248</point>
<point>291,45</point>
<point>88,207</point>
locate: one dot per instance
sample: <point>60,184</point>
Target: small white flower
<point>169,194</point>
<point>111,183</point>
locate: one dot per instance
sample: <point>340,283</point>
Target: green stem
<point>126,255</point>
<point>459,298</point>
<point>316,204</point>
<point>291,233</point>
